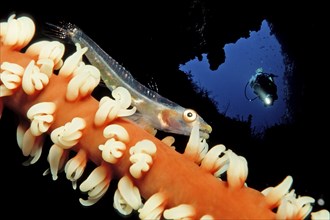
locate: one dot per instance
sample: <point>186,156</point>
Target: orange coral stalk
<point>168,180</point>
<point>172,174</point>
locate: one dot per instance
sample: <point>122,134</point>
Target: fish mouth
<point>205,131</point>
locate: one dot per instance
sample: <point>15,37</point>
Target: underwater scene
<point>253,75</point>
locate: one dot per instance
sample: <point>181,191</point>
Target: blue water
<point>226,85</point>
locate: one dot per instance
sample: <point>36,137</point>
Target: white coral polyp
<point>153,207</point>
<point>141,157</point>
<point>29,144</point>
<point>96,185</point>
<point>275,194</point>
<point>192,147</point>
<point>169,140</point>
<point>33,79</point>
<point>17,33</point>
<point>183,211</point>
<point>120,204</point>
<point>219,160</point>
<point>112,150</point>
<point>322,214</point>
<point>215,161</point>
<point>85,79</point>
<point>144,146</point>
<point>68,135</point>
<point>10,78</point>
<point>73,62</point>
<point>291,207</point>
<point>203,149</point>
<point>127,197</point>
<point>116,131</point>
<point>75,167</point>
<point>46,66</point>
<point>207,217</point>
<point>196,148</point>
<point>41,116</point>
<point>57,158</point>
<point>110,109</point>
<point>237,170</point>
<point>140,163</point>
<point>122,96</point>
<point>50,50</point>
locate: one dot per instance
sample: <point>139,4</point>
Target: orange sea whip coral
<point>154,179</point>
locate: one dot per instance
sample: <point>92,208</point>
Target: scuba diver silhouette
<point>263,86</point>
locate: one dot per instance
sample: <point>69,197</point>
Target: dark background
<point>151,39</point>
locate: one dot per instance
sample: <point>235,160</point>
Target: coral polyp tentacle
<point>85,80</point>
<point>169,140</point>
<point>174,185</point>
<point>75,167</point>
<point>207,217</point>
<point>237,170</point>
<point>46,66</point>
<point>140,163</point>
<point>196,147</point>
<point>213,163</point>
<point>112,150</point>
<point>96,185</point>
<point>57,157</point>
<point>17,33</point>
<point>72,62</point>
<point>110,109</point>
<point>322,214</point>
<point>69,134</point>
<point>50,50</point>
<point>30,144</point>
<point>127,197</point>
<point>141,157</point>
<point>10,78</point>
<point>33,79</point>
<point>153,208</point>
<point>294,208</point>
<point>274,194</point>
<point>41,116</point>
<point>116,131</point>
<point>183,211</point>
<point>192,148</point>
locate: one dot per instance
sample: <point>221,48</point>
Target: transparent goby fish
<point>153,109</point>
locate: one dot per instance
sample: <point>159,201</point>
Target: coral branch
<point>179,179</point>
